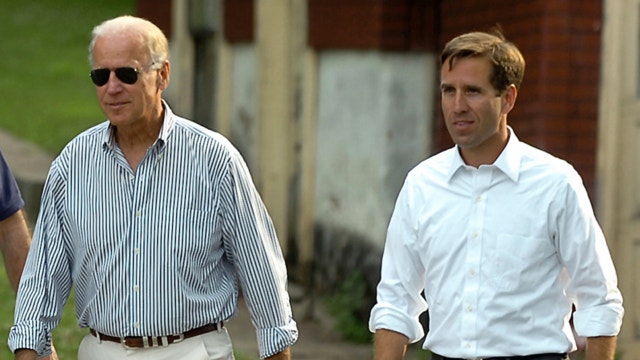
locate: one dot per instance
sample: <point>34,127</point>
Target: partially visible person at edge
<point>152,218</point>
<point>14,233</point>
<point>500,237</point>
<point>15,238</point>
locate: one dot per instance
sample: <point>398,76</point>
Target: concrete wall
<point>374,121</point>
<point>373,125</point>
<point>244,126</point>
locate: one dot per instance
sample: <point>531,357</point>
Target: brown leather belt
<point>155,341</point>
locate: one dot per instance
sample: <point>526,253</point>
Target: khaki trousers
<point>214,345</point>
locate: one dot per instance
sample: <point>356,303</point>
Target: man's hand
<point>26,354</point>
<point>282,355</point>
<point>53,356</point>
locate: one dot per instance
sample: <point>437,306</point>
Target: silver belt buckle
<point>164,341</point>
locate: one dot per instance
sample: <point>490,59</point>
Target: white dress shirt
<point>501,252</point>
<point>156,251</point>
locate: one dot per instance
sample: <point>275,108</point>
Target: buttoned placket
<point>481,179</point>
<point>138,188</point>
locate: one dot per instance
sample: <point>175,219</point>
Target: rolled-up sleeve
<point>584,252</point>
<point>46,280</point>
<point>253,246</point>
<point>399,301</point>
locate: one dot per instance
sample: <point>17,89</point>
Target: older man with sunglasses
<point>152,218</point>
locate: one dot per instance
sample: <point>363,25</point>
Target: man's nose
<point>460,102</point>
<point>114,84</point>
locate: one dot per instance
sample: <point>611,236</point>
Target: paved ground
<point>30,165</point>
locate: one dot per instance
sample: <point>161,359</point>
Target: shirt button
<point>138,213</point>
<point>136,325</point>
<point>479,199</point>
<point>136,251</point>
<point>472,271</point>
<point>136,288</point>
<point>475,234</point>
<point>469,308</point>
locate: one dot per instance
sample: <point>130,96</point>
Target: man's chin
<point>118,120</point>
<point>461,140</point>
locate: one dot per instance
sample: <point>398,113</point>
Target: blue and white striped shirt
<point>156,251</point>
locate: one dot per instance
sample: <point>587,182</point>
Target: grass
<point>46,94</point>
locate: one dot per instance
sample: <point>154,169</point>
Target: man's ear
<point>509,98</point>
<point>163,75</point>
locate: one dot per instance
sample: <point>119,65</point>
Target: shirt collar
<point>508,162</point>
<point>108,137</point>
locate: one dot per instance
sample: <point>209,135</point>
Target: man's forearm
<point>14,243</point>
<point>282,355</point>
<point>601,347</point>
<point>390,345</point>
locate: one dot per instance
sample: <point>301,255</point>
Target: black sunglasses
<point>127,75</point>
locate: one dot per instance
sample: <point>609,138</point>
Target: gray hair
<point>150,34</point>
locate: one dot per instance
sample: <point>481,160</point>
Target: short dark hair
<point>508,63</point>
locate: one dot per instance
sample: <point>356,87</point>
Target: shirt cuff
<point>385,316</point>
<point>274,340</point>
<point>599,321</point>
<point>30,335</point>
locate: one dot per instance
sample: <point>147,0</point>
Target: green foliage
<point>240,356</point>
<point>415,352</point>
<point>46,94</point>
<point>346,307</point>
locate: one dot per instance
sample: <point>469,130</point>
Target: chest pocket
<point>517,256</point>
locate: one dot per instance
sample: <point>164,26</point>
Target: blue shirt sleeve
<point>10,198</point>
